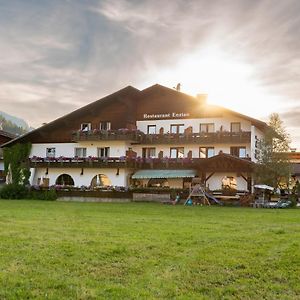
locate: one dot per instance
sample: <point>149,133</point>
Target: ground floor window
<point>158,182</point>
<point>64,179</point>
<point>100,180</point>
<point>229,182</point>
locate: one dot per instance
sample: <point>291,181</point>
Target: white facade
<point>121,177</point>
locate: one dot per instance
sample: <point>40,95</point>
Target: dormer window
<point>105,125</point>
<point>86,126</point>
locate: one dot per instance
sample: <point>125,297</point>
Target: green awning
<point>148,174</point>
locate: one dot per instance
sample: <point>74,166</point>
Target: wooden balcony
<point>215,163</point>
<point>106,135</point>
<point>197,138</point>
<point>138,137</point>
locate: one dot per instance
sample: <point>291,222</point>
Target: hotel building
<point>152,137</point>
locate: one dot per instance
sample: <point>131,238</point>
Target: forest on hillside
<point>10,127</point>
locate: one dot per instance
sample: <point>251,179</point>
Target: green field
<point>62,250</point>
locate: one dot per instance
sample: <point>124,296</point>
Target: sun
<point>228,81</point>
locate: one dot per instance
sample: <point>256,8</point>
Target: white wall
<point>79,180</point>
<point>215,182</point>
<point>195,123</point>
<point>117,148</point>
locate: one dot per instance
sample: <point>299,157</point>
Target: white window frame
<point>82,151</point>
<point>204,152</point>
<point>176,153</point>
<point>207,127</point>
<point>103,152</point>
<point>50,152</point>
<point>85,126</point>
<point>105,125</point>
<point>177,128</point>
<point>153,127</point>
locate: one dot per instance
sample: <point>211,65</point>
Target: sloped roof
<point>7,134</point>
<point>129,90</point>
<point>136,95</point>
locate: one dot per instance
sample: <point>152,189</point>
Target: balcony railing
<point>139,137</point>
<point>106,135</point>
<point>118,162</point>
<point>197,138</point>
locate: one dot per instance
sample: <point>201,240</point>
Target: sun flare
<point>228,81</point>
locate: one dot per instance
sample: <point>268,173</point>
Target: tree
<point>16,159</point>
<point>273,167</point>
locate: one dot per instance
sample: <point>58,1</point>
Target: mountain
<point>13,124</point>
<point>15,120</point>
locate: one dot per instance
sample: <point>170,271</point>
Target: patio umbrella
<point>264,187</point>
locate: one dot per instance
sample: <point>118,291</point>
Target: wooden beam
<point>209,176</point>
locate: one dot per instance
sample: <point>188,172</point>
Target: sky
<point>58,55</point>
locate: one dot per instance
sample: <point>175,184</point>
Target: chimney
<point>202,98</point>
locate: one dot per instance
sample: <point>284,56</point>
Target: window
<point>80,152</point>
<point>103,152</point>
<point>105,125</point>
<point>64,179</point>
<point>177,152</point>
<point>151,129</point>
<point>100,180</point>
<point>238,151</point>
<point>207,127</point>
<point>177,128</point>
<point>149,152</point>
<point>229,182</point>
<point>206,152</point>
<point>235,127</point>
<point>86,126</point>
<point>50,152</point>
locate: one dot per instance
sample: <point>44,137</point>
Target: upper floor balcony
<point>133,162</point>
<point>138,137</point>
<point>106,135</point>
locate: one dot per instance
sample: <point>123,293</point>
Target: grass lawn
<point>65,250</point>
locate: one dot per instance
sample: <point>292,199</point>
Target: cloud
<point>64,54</point>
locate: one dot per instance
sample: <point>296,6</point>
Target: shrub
<point>293,198</point>
<point>13,191</point>
<point>42,195</point>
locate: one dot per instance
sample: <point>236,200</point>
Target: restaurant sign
<point>172,115</point>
